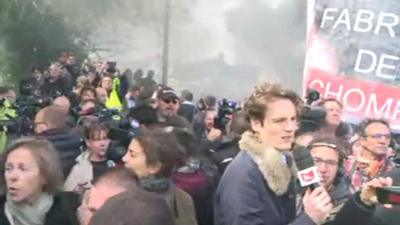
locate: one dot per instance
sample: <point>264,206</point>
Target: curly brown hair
<point>256,107</point>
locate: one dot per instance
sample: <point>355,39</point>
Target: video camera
<point>225,110</point>
<point>311,117</point>
<point>389,195</point>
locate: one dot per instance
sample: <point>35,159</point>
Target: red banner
<point>352,55</point>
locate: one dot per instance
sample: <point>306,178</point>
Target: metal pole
<point>165,53</point>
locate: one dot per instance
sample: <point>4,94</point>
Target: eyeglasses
<point>379,136</point>
<point>36,124</point>
<point>328,162</point>
<point>175,101</point>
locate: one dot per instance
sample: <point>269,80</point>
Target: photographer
<point>92,162</point>
<point>223,153</point>
<point>204,126</point>
<point>206,132</point>
<point>51,123</point>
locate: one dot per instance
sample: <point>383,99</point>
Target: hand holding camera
<point>378,191</point>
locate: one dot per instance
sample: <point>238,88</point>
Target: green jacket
<point>5,113</point>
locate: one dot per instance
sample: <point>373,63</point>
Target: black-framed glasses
<point>379,136</point>
<point>328,162</point>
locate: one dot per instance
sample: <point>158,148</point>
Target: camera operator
<point>333,124</point>
<point>224,152</point>
<point>204,127</point>
<point>51,123</point>
<point>206,131</point>
<point>56,82</point>
<point>92,162</point>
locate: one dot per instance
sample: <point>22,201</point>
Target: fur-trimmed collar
<point>271,163</point>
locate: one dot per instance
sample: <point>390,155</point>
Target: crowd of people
<point>86,144</point>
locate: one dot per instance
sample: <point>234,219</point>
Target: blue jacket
<point>257,188</point>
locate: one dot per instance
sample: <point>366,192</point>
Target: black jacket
<point>68,146</point>
<point>62,86</point>
<point>224,152</point>
<point>187,111</point>
<point>256,190</point>
<point>63,211</point>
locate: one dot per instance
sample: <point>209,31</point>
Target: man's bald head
<point>50,117</point>
<point>115,181</point>
<point>62,102</point>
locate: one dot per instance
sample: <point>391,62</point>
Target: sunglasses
<point>175,101</point>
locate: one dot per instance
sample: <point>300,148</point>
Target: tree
<point>33,35</point>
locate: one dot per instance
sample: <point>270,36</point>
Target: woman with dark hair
<point>33,177</point>
<point>153,157</point>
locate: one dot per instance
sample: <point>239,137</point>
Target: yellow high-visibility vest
<point>113,100</point>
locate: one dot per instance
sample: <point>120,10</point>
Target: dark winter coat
<point>257,188</point>
<point>61,86</point>
<point>68,146</point>
<point>63,211</point>
<point>187,110</point>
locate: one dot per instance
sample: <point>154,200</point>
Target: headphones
<point>341,172</point>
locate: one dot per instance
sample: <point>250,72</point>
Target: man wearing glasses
<point>328,157</point>
<point>372,160</point>
<point>167,103</point>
